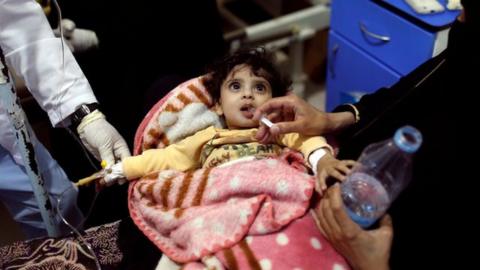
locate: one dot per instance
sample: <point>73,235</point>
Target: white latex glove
<point>77,39</point>
<point>113,175</point>
<point>102,139</point>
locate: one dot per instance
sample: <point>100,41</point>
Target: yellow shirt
<point>213,146</point>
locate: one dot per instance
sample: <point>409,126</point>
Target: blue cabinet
<point>372,46</point>
<point>352,72</point>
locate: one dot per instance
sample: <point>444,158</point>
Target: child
<point>238,85</point>
<point>205,214</point>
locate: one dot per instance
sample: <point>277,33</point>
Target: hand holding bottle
<point>383,172</point>
<point>363,249</point>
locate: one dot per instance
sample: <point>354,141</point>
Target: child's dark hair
<point>261,63</point>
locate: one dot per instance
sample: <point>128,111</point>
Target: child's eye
<point>260,88</point>
<point>235,86</point>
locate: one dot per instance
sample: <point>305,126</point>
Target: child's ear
<point>217,108</point>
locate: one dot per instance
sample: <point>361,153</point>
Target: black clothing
<point>432,212</point>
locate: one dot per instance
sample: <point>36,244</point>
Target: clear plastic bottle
<point>384,170</point>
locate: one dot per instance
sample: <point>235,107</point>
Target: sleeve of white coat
<point>32,50</point>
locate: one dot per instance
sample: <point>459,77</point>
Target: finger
<point>286,127</point>
<point>386,225</point>
<point>261,132</point>
<point>322,220</point>
<point>273,104</point>
<point>275,117</point>
<point>340,215</point>
<point>274,130</point>
<point>318,184</point>
<point>318,187</point>
<point>90,149</point>
<point>122,150</point>
<point>94,152</point>
<point>316,215</point>
<point>337,175</point>
<point>270,138</point>
<point>329,212</point>
<point>343,168</point>
<point>266,136</point>
<point>350,163</point>
<point>288,115</point>
<point>323,181</point>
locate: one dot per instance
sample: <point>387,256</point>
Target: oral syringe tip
<point>266,122</point>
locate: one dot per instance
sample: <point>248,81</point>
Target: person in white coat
<point>30,48</point>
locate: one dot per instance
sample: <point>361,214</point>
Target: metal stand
<point>9,99</point>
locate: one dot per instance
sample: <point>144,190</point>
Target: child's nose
<point>247,93</point>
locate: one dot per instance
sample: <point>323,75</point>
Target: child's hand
<point>113,175</point>
<point>330,167</point>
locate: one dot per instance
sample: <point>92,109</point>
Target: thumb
<point>386,225</point>
<point>386,221</point>
<point>285,127</point>
<point>261,132</point>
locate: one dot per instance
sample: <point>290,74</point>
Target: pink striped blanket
<point>251,214</point>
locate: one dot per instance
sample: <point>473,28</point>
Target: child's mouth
<point>247,111</point>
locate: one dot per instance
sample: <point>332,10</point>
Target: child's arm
<point>182,156</point>
<point>328,166</point>
<point>154,160</point>
<point>305,144</point>
<point>325,164</point>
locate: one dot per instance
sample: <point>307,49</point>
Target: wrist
<point>315,157</point>
<point>81,111</point>
<point>325,160</point>
<point>347,107</point>
<point>340,120</point>
<point>89,118</point>
<point>353,115</point>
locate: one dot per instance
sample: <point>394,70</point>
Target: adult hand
<point>290,114</point>
<point>102,139</point>
<point>77,39</point>
<point>293,114</point>
<point>363,249</point>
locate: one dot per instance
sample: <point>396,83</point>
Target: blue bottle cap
<point>408,139</point>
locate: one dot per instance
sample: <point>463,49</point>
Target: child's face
<point>240,94</point>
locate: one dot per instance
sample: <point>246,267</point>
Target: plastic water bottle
<point>383,171</point>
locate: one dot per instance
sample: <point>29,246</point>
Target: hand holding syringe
<point>267,129</point>
<point>266,122</point>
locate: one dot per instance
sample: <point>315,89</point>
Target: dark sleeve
<point>377,103</point>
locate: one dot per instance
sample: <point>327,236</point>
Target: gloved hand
<point>77,39</point>
<point>113,174</point>
<point>102,139</point>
